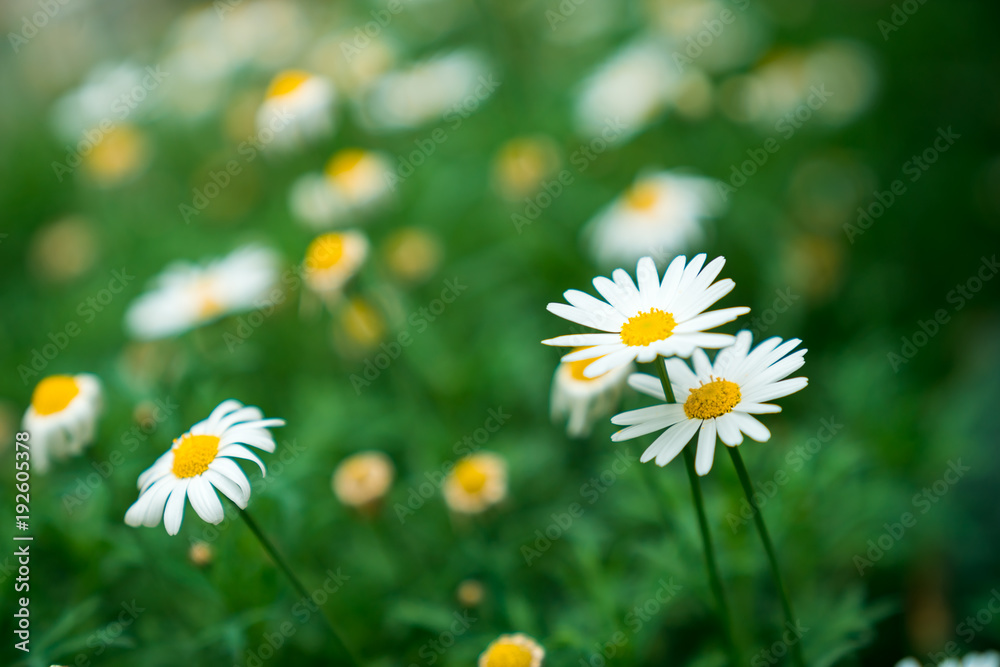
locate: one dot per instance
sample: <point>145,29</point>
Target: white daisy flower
<point>362,479</point>
<point>62,417</point>
<point>716,399</point>
<point>476,483</point>
<point>201,461</point>
<point>633,88</point>
<point>431,90</point>
<point>656,318</point>
<point>660,215</point>
<point>297,107</point>
<point>355,181</point>
<point>987,659</point>
<point>516,650</point>
<point>585,400</point>
<point>187,295</point>
<point>332,259</point>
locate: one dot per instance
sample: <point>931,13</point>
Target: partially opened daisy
<point>516,650</point>
<point>62,417</point>
<point>201,461</point>
<point>664,318</point>
<point>187,295</point>
<point>581,400</point>
<point>476,483</point>
<point>717,399</point>
<point>354,183</point>
<point>297,107</point>
<point>332,259</point>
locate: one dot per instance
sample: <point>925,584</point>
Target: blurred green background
<point>791,229</point>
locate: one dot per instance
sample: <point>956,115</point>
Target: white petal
<point>621,300</point>
<point>255,437</point>
<point>649,282</point>
<point>647,384</point>
<point>668,411</point>
<point>710,320</point>
<point>233,472</point>
<point>671,279</point>
<point>227,486</point>
<point>706,448</point>
<point>673,445</point>
<point>776,390</point>
<point>241,452</point>
<point>753,428</point>
<point>173,515</point>
<point>610,362</point>
<point>583,340</point>
<point>584,318</point>
<point>204,501</point>
<point>702,366</point>
<point>729,431</point>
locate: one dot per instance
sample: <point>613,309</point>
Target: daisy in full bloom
<point>476,483</point>
<point>660,215</point>
<point>987,659</point>
<point>517,650</point>
<point>630,90</point>
<point>362,479</point>
<point>201,461</point>
<point>62,417</point>
<point>186,295</point>
<point>585,400</point>
<point>717,399</point>
<point>297,107</point>
<point>654,318</point>
<point>355,181</point>
<point>333,259</point>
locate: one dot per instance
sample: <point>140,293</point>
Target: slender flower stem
<point>715,581</point>
<point>790,620</point>
<point>296,582</point>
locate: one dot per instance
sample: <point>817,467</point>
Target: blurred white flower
<point>297,108</point>
<point>516,650</point>
<point>634,87</point>
<point>986,659</point>
<point>656,318</point>
<point>446,87</point>
<point>107,97</point>
<point>332,259</point>
<point>476,483</point>
<point>717,399</point>
<point>187,295</point>
<point>362,479</point>
<point>201,461</point>
<point>62,417</point>
<point>585,400</point>
<point>354,183</point>
<point>660,215</point>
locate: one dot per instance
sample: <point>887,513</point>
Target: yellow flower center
<point>359,470</point>
<point>508,655</point>
<point>712,400</point>
<point>642,196</point>
<point>470,476</point>
<point>576,368</point>
<point>325,252</point>
<point>343,162</point>
<point>287,82</point>
<point>192,456</point>
<point>649,327</point>
<point>53,394</point>
<point>208,306</point>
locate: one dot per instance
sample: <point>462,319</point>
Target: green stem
<point>715,581</point>
<point>790,620</point>
<point>296,582</point>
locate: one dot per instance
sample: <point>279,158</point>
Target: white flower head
<point>987,659</point>
<point>429,90</point>
<point>476,483</point>
<point>355,182</point>
<point>664,318</point>
<point>660,215</point>
<point>717,399</point>
<point>516,650</point>
<point>187,295</point>
<point>363,478</point>
<point>582,399</point>
<point>62,418</point>
<point>632,88</point>
<point>201,461</point>
<point>297,107</point>
<point>332,259</point>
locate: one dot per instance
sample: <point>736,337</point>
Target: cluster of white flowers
<point>650,318</point>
